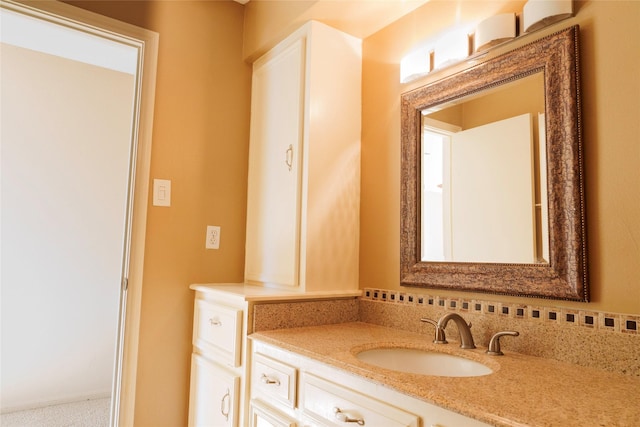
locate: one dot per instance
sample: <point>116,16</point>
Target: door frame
<point>146,41</point>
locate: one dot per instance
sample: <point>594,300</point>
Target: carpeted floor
<point>86,413</point>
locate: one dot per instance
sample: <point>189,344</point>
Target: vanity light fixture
<point>452,47</point>
<point>540,13</point>
<point>495,30</point>
<point>416,64</point>
<point>461,43</point>
<point>437,53</point>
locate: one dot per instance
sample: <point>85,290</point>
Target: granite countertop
<point>522,391</point>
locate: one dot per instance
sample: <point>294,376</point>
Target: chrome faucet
<point>464,329</point>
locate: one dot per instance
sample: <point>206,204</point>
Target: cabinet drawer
<point>328,404</point>
<point>261,415</point>
<point>273,381</point>
<point>217,331</point>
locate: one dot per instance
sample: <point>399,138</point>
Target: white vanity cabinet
<point>304,162</point>
<point>221,360</point>
<point>216,362</point>
<point>330,397</point>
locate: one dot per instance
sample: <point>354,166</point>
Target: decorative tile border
<point>614,322</point>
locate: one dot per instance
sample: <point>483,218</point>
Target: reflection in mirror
<point>492,191</point>
<point>488,148</point>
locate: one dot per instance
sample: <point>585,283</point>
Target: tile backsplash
<point>616,322</point>
<point>609,341</point>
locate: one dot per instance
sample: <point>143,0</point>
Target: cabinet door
<point>213,400</point>
<point>275,154</point>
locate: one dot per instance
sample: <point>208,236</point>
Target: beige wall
<point>200,143</point>
<point>611,108</point>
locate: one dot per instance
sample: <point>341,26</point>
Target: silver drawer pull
<point>215,322</point>
<point>346,418</point>
<point>289,157</point>
<point>225,409</point>
<point>266,380</point>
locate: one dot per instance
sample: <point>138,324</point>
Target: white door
<point>492,193</point>
<point>71,113</point>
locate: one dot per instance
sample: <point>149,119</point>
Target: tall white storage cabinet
<point>304,163</point>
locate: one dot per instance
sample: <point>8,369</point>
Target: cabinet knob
<point>215,322</point>
<point>346,418</point>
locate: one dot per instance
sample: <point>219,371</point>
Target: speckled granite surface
<point>281,315</point>
<point>523,390</point>
<point>594,348</point>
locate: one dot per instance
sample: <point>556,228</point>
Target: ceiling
<point>360,18</point>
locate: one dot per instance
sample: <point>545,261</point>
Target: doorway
<point>77,100</point>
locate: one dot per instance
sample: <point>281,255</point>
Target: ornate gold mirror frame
<point>565,275</point>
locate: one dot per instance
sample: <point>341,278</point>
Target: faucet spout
<point>464,329</point>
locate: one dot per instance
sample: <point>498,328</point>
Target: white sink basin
<point>423,362</point>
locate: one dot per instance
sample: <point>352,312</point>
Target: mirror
<point>489,148</point>
<point>497,214</point>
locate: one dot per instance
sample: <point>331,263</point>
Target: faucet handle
<point>440,337</point>
<point>427,320</point>
<point>494,343</point>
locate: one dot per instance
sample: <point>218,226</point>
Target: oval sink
<point>423,362</point>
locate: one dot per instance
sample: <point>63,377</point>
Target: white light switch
<point>161,192</point>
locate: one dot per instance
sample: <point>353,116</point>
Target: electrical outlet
<point>213,237</point>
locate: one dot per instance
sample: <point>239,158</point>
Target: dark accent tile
<point>609,321</point>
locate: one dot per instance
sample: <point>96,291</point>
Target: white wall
<point>66,132</point>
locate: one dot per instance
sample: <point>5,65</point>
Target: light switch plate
<point>161,192</point>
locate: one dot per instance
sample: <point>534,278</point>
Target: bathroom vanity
<point>522,390</point>
<point>288,388</point>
